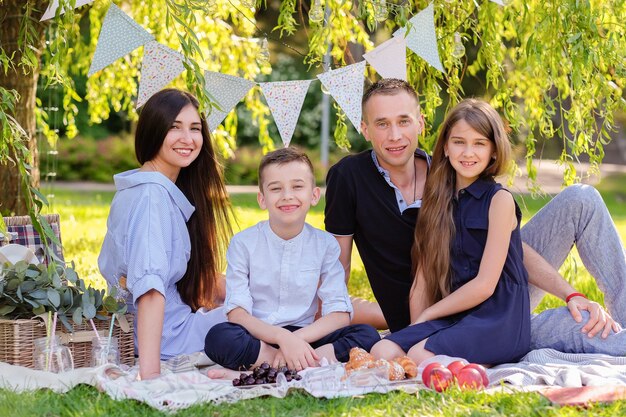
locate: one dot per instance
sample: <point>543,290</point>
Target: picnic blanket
<point>181,385</point>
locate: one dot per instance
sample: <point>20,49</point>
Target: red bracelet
<point>574,294</point>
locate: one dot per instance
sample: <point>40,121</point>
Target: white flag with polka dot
<point>285,99</point>
<point>389,58</point>
<point>345,85</point>
<point>227,90</point>
<point>421,37</point>
<point>160,65</point>
<point>54,5</point>
<point>119,35</point>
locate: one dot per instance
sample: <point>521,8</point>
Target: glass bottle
<point>50,355</point>
<point>103,352</point>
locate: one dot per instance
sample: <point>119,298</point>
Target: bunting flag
<point>285,99</point>
<point>228,90</point>
<point>54,5</point>
<point>345,85</point>
<point>421,37</point>
<point>119,35</point>
<point>389,58</point>
<point>160,65</point>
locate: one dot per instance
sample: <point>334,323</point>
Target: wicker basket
<point>17,337</point>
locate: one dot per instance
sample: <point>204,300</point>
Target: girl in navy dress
<point>469,298</point>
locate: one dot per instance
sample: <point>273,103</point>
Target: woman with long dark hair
<point>167,231</point>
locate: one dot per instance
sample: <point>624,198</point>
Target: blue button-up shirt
<point>147,242</point>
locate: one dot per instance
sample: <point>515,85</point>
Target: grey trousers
<point>578,216</point>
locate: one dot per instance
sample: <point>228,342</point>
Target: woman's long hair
<point>202,183</point>
<point>434,231</point>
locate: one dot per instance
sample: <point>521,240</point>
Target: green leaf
<point>71,275</point>
<point>77,316</point>
<point>4,310</point>
<point>54,297</point>
<point>89,311</point>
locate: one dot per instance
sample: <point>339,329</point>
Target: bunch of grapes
<point>265,374</point>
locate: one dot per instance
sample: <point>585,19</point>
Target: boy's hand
<point>295,353</point>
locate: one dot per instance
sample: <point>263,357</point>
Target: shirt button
<point>462,192</point>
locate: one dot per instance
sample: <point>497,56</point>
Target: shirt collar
<point>136,177</point>
<point>480,187</point>
<point>277,239</point>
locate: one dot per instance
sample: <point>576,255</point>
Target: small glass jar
<point>103,352</point>
<point>50,355</point>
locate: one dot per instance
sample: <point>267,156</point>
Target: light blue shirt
<point>147,242</point>
<point>279,281</point>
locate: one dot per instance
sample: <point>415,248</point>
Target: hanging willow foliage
<point>555,70</point>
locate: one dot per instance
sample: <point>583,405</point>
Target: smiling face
<point>181,145</point>
<point>392,124</point>
<point>288,192</point>
<point>469,153</point>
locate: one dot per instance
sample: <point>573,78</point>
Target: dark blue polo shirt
<point>360,202</point>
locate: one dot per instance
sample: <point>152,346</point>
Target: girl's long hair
<point>202,183</point>
<point>434,231</point>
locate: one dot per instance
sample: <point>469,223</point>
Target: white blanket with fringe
<point>182,385</point>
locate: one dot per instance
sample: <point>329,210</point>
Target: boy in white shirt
<point>279,272</point>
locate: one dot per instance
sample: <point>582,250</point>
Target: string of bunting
<point>120,35</point>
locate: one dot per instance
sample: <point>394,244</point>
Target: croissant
<point>410,369</point>
<point>359,359</point>
<point>396,371</point>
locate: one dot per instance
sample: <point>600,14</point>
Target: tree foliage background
<point>554,69</point>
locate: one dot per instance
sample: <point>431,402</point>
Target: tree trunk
<point>23,80</point>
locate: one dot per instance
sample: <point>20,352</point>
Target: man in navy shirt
<point>373,199</point>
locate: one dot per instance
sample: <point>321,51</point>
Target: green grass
<point>83,224</point>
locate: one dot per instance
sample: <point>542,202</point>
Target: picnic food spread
<point>399,368</point>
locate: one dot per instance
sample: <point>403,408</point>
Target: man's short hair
<point>280,157</point>
<point>388,87</point>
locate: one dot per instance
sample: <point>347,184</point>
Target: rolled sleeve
<point>237,277</point>
<point>332,291</point>
<point>149,247</point>
<point>144,284</point>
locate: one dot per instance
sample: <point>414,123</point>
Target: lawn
<point>83,224</point>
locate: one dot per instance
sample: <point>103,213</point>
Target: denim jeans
<point>578,216</point>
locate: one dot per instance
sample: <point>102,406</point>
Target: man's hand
<point>295,353</point>
<point>599,319</point>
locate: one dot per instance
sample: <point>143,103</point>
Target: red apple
<point>456,366</point>
<point>426,372</point>
<point>470,378</point>
<point>483,372</point>
<point>441,378</point>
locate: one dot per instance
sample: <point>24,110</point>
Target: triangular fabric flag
<point>389,58</point>
<point>54,5</point>
<point>422,38</point>
<point>285,99</point>
<point>160,65</point>
<point>227,90</point>
<point>119,35</point>
<point>345,85</point>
